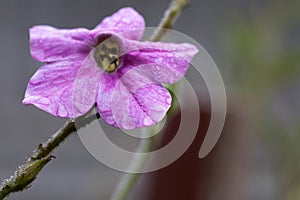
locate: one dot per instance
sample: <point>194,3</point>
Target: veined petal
<point>126,22</point>
<point>48,44</point>
<point>106,86</point>
<point>132,100</point>
<point>147,106</point>
<point>160,62</point>
<point>51,89</point>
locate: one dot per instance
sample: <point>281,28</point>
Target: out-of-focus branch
<point>170,16</point>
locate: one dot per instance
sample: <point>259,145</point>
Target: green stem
<point>128,180</point>
<point>170,16</point>
<point>23,177</point>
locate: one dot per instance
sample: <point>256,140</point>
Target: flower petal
<point>161,62</point>
<point>53,88</point>
<point>148,105</point>
<point>132,101</point>
<point>106,87</point>
<point>48,44</point>
<point>126,22</point>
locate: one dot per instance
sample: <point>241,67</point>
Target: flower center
<point>107,55</point>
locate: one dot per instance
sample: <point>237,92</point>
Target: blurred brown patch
<point>220,175</point>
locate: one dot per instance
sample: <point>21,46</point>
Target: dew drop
<point>147,121</point>
<point>62,111</point>
<point>157,112</point>
<point>110,120</point>
<point>159,60</point>
<point>127,124</point>
<point>44,101</point>
<point>168,101</point>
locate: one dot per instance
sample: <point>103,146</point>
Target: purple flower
<point>108,66</point>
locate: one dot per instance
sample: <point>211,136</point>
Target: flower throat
<point>107,55</point>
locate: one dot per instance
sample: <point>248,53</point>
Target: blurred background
<point>255,44</point>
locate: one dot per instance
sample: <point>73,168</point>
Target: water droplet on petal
<point>44,101</point>
<point>168,101</point>
<point>157,112</point>
<point>148,121</point>
<point>62,111</point>
<point>110,120</point>
<point>127,124</point>
<point>159,60</point>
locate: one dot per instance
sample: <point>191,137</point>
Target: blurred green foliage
<point>264,54</point>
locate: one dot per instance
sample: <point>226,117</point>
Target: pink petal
<point>160,62</point>
<point>48,44</point>
<point>126,22</point>
<point>147,105</point>
<point>131,101</point>
<point>54,89</point>
<point>106,87</point>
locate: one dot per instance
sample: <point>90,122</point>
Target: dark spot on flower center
<point>107,55</point>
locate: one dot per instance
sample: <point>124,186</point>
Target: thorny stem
<point>41,156</point>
